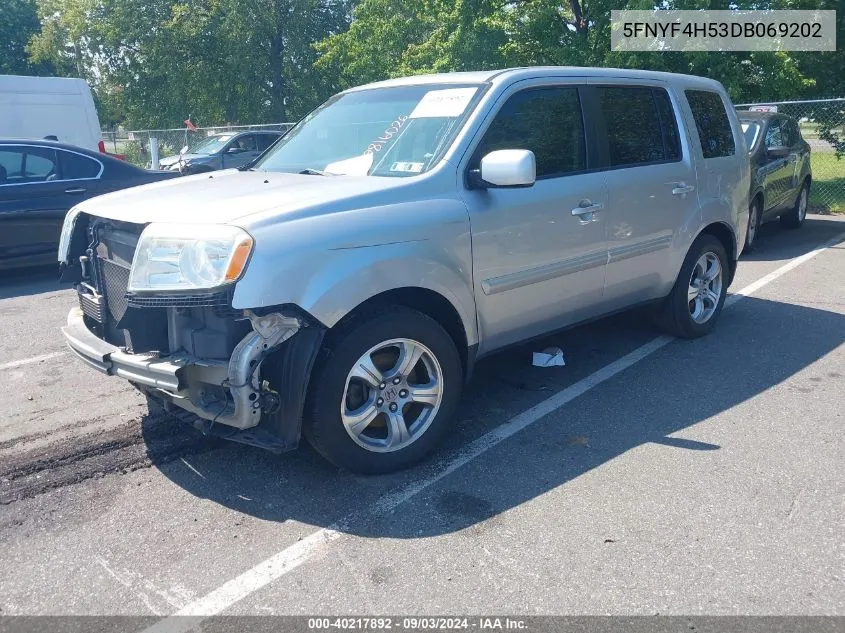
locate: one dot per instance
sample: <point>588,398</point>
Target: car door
<point>776,172</point>
<point>32,205</point>
<point>539,253</point>
<point>651,187</point>
<point>798,155</point>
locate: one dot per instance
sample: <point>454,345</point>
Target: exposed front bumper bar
<point>183,380</point>
<point>143,369</point>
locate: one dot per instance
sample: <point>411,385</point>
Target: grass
<point>828,192</point>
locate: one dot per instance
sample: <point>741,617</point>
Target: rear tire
<point>755,215</point>
<point>384,391</point>
<point>794,218</point>
<point>697,298</point>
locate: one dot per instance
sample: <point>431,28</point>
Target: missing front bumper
<point>185,381</point>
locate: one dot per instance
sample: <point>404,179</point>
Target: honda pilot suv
<point>343,286</point>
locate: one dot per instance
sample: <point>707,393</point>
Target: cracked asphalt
<point>704,479</point>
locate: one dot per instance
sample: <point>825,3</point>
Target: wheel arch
<point>727,237</point>
<point>428,302</point>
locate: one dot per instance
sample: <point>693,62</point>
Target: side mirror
<point>779,151</point>
<point>507,168</point>
<point>235,149</point>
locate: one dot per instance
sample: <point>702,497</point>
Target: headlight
<point>67,232</point>
<point>189,257</point>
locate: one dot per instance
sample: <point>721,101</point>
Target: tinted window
<point>789,132</point>
<point>75,166</point>
<point>546,121</point>
<point>774,138</point>
<point>20,165</point>
<point>712,123</point>
<point>640,124</point>
<point>265,141</point>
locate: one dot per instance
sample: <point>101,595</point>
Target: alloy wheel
<point>705,288</point>
<point>392,395</point>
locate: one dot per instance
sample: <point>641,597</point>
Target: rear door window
<point>26,164</point>
<point>640,125</point>
<point>78,167</point>
<point>712,123</point>
<point>546,121</point>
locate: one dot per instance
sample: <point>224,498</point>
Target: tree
<point>18,22</point>
<point>396,37</point>
<point>218,61</point>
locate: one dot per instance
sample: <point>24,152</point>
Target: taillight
<point>102,147</point>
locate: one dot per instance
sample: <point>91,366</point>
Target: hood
<point>172,160</point>
<point>230,195</point>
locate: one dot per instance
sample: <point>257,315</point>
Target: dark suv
<point>780,170</point>
<point>221,151</point>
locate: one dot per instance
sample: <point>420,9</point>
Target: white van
<point>38,107</point>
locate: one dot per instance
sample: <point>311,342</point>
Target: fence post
<point>154,153</point>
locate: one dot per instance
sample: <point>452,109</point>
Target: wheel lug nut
<point>382,386</point>
<point>380,401</point>
<point>403,393</point>
<point>397,380</point>
<point>393,407</point>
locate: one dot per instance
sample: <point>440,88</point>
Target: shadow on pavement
<point>30,281</point>
<point>757,345</point>
<point>775,243</point>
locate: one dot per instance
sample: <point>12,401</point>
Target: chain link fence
<point>822,124</point>
<point>134,145</point>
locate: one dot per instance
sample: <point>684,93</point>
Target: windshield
<point>211,144</point>
<point>751,130</point>
<point>399,131</point>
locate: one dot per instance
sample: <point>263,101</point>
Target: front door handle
<point>680,188</point>
<point>586,207</point>
<point>77,190</point>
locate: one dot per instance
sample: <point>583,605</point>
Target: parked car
<point>40,107</point>
<point>221,151</point>
<point>40,181</point>
<point>347,283</point>
<point>780,170</point>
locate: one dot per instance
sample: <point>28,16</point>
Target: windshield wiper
<point>315,172</point>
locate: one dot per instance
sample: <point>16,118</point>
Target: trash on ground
<point>549,357</point>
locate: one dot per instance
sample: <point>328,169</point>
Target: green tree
<point>156,62</point>
<point>19,22</point>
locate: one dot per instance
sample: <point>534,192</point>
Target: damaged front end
<point>243,373</point>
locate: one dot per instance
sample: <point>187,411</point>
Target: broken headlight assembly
<point>176,257</point>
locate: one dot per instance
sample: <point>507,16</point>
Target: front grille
<point>115,282</point>
<point>200,300</point>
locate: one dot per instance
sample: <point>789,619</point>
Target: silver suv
<point>345,285</point>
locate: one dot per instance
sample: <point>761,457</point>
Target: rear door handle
<point>680,188</point>
<point>77,190</point>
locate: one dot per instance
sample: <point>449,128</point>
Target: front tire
<point>795,217</point>
<point>384,392</point>
<point>697,298</point>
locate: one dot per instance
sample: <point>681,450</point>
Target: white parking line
<point>292,557</point>
<point>29,361</point>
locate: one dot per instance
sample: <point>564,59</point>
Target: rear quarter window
<point>712,123</point>
<point>78,167</point>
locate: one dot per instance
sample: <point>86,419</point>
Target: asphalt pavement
<point>649,475</point>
